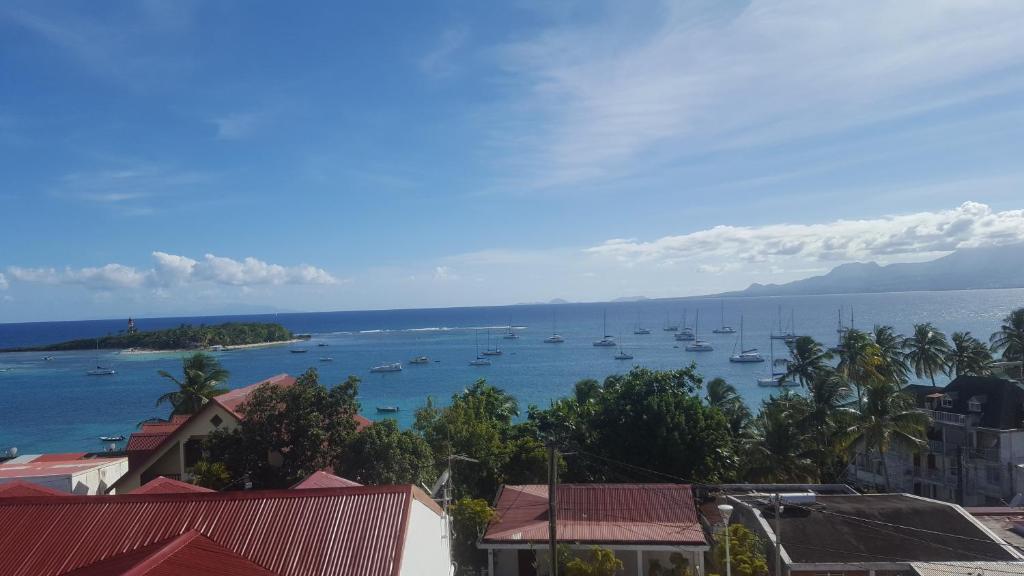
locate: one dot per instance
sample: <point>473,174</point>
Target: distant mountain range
<point>964,269</point>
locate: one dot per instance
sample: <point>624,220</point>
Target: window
<point>931,462</point>
<point>216,420</point>
<point>947,402</point>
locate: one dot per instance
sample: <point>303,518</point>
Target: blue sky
<point>165,157</point>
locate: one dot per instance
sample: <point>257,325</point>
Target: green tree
<point>746,552</point>
<point>203,377</point>
<point>887,417</point>
<point>383,454</point>
<point>894,366</point>
<point>212,475</point>
<point>724,396</point>
<point>477,424</point>
<point>968,356</point>
<point>470,517</point>
<point>807,360</point>
<point>927,350</point>
<point>860,361</point>
<point>602,562</point>
<point>614,422</point>
<point>779,450</point>
<point>1009,339</point>
<point>287,433</point>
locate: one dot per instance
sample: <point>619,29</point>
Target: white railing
<point>945,417</point>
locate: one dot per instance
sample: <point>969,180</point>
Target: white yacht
<point>623,355</point>
<point>698,345</point>
<point>774,377</point>
<point>491,351</point>
<point>723,329</point>
<point>606,341</point>
<point>420,360</point>
<point>479,360</point>
<point>393,367</point>
<point>786,334</point>
<point>669,327</point>
<point>555,337</point>
<point>100,370</point>
<point>746,355</point>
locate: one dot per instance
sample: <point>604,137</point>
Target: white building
<point>71,473</point>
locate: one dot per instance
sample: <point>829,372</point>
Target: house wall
<point>426,544</point>
<point>171,460</point>
<point>99,479</point>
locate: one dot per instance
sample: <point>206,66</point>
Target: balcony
<point>936,446</point>
<point>945,417</point>
<point>988,454</point>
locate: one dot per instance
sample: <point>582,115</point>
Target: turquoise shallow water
<point>48,406</point>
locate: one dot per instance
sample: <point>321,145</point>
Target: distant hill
<point>964,269</point>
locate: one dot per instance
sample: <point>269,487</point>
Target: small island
<point>184,337</point>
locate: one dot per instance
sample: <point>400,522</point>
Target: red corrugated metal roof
<point>191,553</point>
<point>599,514</point>
<point>358,531</point>
<point>321,479</point>
<point>23,488</point>
<point>63,457</point>
<point>51,467</point>
<point>231,401</point>
<point>162,485</point>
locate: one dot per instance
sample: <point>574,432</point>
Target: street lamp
<point>726,511</point>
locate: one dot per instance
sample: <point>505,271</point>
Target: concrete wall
<point>506,561</point>
<point>98,480</point>
<point>426,544</point>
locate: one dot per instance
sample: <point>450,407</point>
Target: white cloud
<point>438,62</point>
<point>237,125</point>
<point>599,96</point>
<point>444,273</point>
<point>3,282</point>
<point>171,270</point>
<point>900,236</point>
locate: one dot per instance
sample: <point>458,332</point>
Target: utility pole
<point>777,500</point>
<point>552,507</point>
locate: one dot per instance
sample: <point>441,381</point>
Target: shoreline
<point>140,351</point>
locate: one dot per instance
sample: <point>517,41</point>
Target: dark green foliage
<point>927,351</point>
<point>184,337</point>
<point>641,418</point>
<point>746,552</point>
<point>602,562</point>
<point>1009,339</point>
<point>968,356</point>
<point>212,475</point>
<point>288,433</point>
<point>383,454</point>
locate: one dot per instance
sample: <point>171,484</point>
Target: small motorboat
<point>388,409</point>
<point>298,350</point>
<point>699,346</point>
<point>117,438</point>
<point>326,359</point>
<point>420,360</point>
<point>393,367</point>
<point>623,355</point>
<point>47,358</point>
<point>641,331</point>
<point>322,344</point>
<point>494,352</point>
<point>101,371</point>
<point>554,339</point>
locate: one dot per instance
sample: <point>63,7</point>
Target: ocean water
<point>53,406</point>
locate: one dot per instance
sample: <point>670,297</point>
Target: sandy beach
<point>136,351</point>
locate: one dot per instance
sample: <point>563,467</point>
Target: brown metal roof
<point>23,488</point>
<point>356,531</point>
<point>321,479</point>
<point>232,400</point>
<point>599,514</point>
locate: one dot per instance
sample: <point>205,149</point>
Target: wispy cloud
<point>595,98</point>
<point>129,188</point>
<point>439,62</point>
<point>4,284</point>
<point>171,270</point>
<point>890,237</point>
<point>237,126</point>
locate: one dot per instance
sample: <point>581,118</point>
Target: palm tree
<point>860,361</point>
<point>778,451</point>
<point>887,417</point>
<point>724,396</point>
<point>890,347</point>
<point>203,377</point>
<point>927,350</point>
<point>1009,339</point>
<point>968,356</point>
<point>824,418</point>
<point>807,360</point>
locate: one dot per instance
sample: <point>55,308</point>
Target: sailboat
<point>510,333</point>
<point>640,330</point>
<point>479,360</point>
<point>491,351</point>
<point>685,334</point>
<point>555,337</point>
<point>606,340</point>
<point>622,354</point>
<point>745,355</point>
<point>841,331</point>
<point>669,327</point>
<point>100,370</point>
<point>774,377</point>
<point>698,345</point>
<point>724,329</point>
<point>783,335</point>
